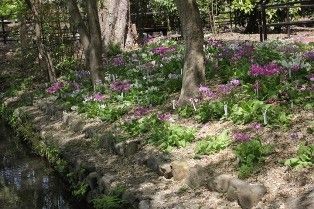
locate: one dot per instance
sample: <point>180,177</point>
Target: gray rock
<point>92,180</point>
<point>165,170</point>
<point>247,195</point>
<point>198,176</point>
<point>127,148</point>
<point>180,170</point>
<point>144,204</point>
<point>304,201</point>
<point>105,182</point>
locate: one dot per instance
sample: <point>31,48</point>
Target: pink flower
<point>266,70</point>
<point>256,126</point>
<point>120,86</point>
<point>235,82</point>
<point>242,137</point>
<point>140,111</point>
<point>118,61</point>
<point>164,116</point>
<point>55,87</point>
<point>162,50</point>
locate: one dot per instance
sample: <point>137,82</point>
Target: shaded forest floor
<point>150,79</point>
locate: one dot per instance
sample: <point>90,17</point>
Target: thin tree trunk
<point>194,63</point>
<point>43,54</point>
<point>95,48</point>
<point>89,37</point>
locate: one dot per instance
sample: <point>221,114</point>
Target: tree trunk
<point>43,55</point>
<point>95,48</point>
<point>114,21</point>
<point>89,37</point>
<point>194,62</point>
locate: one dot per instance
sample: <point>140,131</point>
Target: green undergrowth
<point>213,144</point>
<point>251,156</point>
<point>112,200</point>
<point>304,157</point>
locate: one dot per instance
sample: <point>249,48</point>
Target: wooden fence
<point>263,25</point>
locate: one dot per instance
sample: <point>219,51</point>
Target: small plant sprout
<point>173,104</point>
<point>226,109</point>
<point>265,117</point>
<point>193,104</point>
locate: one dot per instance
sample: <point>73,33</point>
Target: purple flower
<point>98,97</point>
<point>164,116</point>
<point>55,87</point>
<point>81,74</point>
<point>162,50</point>
<point>256,126</point>
<point>206,92</point>
<point>294,136</point>
<point>226,88</point>
<point>309,55</point>
<point>311,77</point>
<point>295,67</point>
<point>120,86</point>
<point>215,43</point>
<point>242,137</point>
<point>140,111</point>
<point>243,51</point>
<point>76,86</point>
<point>235,82</point>
<point>266,70</point>
<point>118,61</point>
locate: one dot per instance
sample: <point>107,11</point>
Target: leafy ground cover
<point>255,109</point>
<point>254,85</point>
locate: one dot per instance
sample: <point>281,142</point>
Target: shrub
<point>251,156</point>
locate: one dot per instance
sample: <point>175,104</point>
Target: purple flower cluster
<point>81,74</point>
<point>241,137</point>
<point>309,55</point>
<point>206,92</point>
<point>243,51</point>
<point>266,70</point>
<point>120,86</point>
<point>162,50</point>
<point>98,97</point>
<point>311,77</point>
<point>55,87</point>
<point>118,61</point>
<point>229,87</point>
<point>164,116</point>
<point>76,86</point>
<point>215,43</point>
<point>140,111</point>
<point>235,82</point>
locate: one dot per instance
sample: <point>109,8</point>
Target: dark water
<point>26,180</point>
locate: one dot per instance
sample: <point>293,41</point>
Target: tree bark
<point>89,37</point>
<point>194,61</point>
<point>113,16</point>
<point>43,55</point>
<point>95,48</point>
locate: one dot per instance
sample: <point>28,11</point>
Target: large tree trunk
<point>89,37</point>
<point>194,62</point>
<point>113,21</point>
<point>43,55</point>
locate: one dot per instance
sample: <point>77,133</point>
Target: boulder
<point>180,170</point>
<point>247,195</point>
